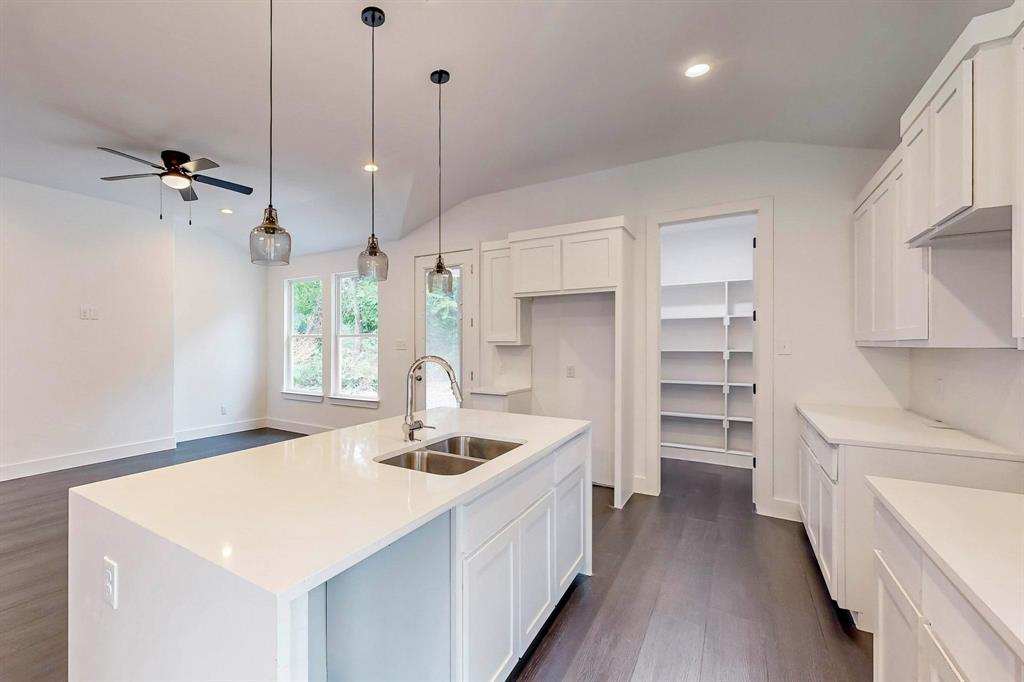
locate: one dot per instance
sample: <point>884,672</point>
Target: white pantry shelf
<point>693,415</point>
<point>707,350</point>
<point>677,285</point>
<point>684,382</point>
<point>705,448</point>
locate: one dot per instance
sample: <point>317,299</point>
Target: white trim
<point>779,509</point>
<point>303,397</point>
<point>611,223</point>
<point>297,427</point>
<point>764,284</point>
<point>348,401</point>
<point>219,429</point>
<point>75,459</point>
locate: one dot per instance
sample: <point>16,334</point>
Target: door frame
<point>764,285</point>
<point>467,258</point>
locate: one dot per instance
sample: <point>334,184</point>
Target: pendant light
<point>372,263</point>
<point>440,279</point>
<point>269,243</point>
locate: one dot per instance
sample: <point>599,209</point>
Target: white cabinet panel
<point>569,528</point>
<point>1018,209</point>
<point>489,621</point>
<point>952,145</point>
<point>916,179</point>
<point>897,627</point>
<point>536,574</point>
<point>827,550</point>
<point>537,265</point>
<point>504,319</point>
<point>934,664</point>
<point>591,260</point>
<point>909,271</point>
<point>804,455</point>
<point>862,275</point>
<point>884,218</point>
<point>813,521</point>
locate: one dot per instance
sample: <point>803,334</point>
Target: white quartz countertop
<point>976,537</point>
<point>896,429</point>
<point>288,516</point>
<point>499,390</point>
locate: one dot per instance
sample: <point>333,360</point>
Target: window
<point>355,337</point>
<point>304,370</point>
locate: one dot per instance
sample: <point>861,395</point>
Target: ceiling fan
<point>179,172</point>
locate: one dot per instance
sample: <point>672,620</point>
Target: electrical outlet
<point>110,580</point>
<point>570,372</point>
<point>88,312</point>
<point>223,410</point>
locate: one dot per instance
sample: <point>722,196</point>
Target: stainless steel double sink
<point>451,456</point>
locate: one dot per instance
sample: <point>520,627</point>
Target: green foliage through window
<point>356,329</point>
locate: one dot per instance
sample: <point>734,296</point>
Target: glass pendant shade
<point>373,263</point>
<point>440,279</point>
<point>269,243</point>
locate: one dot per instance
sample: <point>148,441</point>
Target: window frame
<point>289,335</point>
<point>336,395</point>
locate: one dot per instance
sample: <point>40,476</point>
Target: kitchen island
<point>312,559</point>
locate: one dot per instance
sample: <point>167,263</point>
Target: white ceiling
<point>538,91</point>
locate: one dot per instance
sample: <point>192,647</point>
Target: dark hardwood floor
<point>34,551</point>
<point>693,585</point>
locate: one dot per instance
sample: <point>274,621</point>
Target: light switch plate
<point>783,347</point>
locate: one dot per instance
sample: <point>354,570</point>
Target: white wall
<point>220,312</point>
<point>980,391</point>
<point>812,189</point>
<point>75,391</point>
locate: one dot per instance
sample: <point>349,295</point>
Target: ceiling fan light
<point>176,180</point>
<point>372,262</point>
<point>269,243</point>
<point>440,280</point>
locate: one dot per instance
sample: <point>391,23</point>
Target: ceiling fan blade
<point>188,194</point>
<point>223,184</point>
<point>133,158</point>
<point>196,165</point>
<point>129,177</point>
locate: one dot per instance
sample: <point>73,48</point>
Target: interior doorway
<point>708,339</point>
<point>445,327</point>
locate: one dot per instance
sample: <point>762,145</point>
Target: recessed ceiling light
<point>226,211</point>
<point>371,168</point>
<point>697,70</point>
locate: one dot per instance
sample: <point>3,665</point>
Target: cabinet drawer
<point>934,663</point>
<point>900,552</point>
<point>489,513</point>
<point>570,456</point>
<point>978,651</point>
<point>826,455</point>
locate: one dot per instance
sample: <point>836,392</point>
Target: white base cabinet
<point>519,547</point>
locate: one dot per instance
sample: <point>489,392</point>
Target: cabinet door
<point>813,521</point>
<point>862,274</point>
<point>536,568</point>
<point>537,265</point>
<point>885,214</point>
<point>951,115</point>
<point>490,609</point>
<point>916,179</point>
<point>803,455</point>
<point>896,629</point>
<point>826,528</point>
<point>569,529</point>
<point>909,271</point>
<point>934,663</point>
<point>1018,209</point>
<point>500,309</point>
<point>591,260</point>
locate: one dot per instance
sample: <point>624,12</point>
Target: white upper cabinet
<point>1018,210</point>
<point>505,319</point>
<point>951,120</point>
<point>574,258</point>
<point>917,179</point>
<point>862,274</point>
<point>885,213</point>
<point>910,270</point>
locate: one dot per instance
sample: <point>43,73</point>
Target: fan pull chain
<point>190,211</point>
<point>160,189</point>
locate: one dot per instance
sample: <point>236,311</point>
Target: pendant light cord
<point>373,129</point>
<point>270,170</point>
<point>439,168</point>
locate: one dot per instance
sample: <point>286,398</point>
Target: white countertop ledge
<point>288,516</point>
<point>500,390</point>
<point>896,429</point>
<point>975,537</point>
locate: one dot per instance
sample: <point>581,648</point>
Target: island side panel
<point>588,508</point>
<point>178,617</point>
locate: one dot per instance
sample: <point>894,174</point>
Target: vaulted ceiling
<point>538,91</point>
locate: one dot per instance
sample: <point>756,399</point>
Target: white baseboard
<point>780,509</point>
<point>722,458</point>
<point>219,429</point>
<point>77,459</point>
<point>297,427</point>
